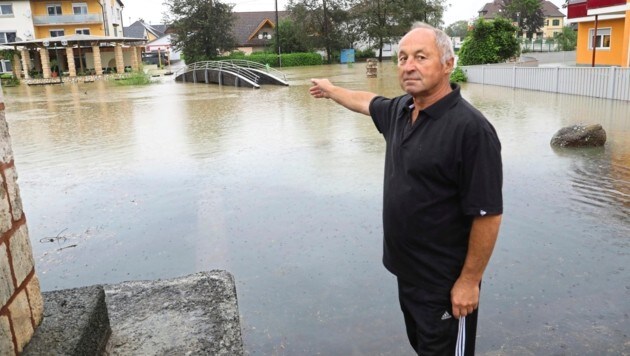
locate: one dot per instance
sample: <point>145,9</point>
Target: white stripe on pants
<point>460,348</point>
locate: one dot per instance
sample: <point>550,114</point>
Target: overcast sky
<point>151,10</point>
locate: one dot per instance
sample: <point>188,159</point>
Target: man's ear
<point>448,66</point>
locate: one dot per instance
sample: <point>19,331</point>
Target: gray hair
<point>442,41</point>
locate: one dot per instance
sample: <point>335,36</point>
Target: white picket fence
<point>599,82</point>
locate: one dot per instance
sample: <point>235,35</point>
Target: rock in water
<point>579,136</point>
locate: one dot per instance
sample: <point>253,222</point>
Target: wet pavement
<point>284,191</point>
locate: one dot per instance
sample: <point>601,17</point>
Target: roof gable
<point>247,24</point>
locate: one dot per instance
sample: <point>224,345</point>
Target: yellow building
<point>553,23</point>
<point>54,18</point>
<point>603,31</point>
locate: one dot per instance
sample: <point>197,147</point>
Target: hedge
<point>288,59</point>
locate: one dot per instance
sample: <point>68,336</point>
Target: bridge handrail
<point>219,65</point>
<point>256,65</point>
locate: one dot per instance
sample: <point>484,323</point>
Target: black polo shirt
<point>440,173</point>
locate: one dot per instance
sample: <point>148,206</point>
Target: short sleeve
<point>481,171</point>
<point>380,111</point>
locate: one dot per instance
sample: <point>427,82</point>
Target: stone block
<point>5,209</point>
<point>22,254</point>
<point>6,339</point>
<point>6,153</point>
<point>6,281</point>
<point>192,315</point>
<point>35,299</point>
<point>14,192</point>
<point>75,323</point>
<point>21,319</point>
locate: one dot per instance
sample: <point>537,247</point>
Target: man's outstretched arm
<point>357,101</point>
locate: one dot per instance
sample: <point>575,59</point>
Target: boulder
<point>580,136</point>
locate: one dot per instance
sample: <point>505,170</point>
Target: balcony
<point>67,19</point>
<point>584,8</point>
<point>596,4</point>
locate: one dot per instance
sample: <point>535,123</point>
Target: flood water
<point>284,191</point>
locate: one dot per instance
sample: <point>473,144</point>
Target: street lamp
<point>278,36</point>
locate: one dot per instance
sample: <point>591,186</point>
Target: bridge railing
<point>256,65</point>
<point>220,65</point>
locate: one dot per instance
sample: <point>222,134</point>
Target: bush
<point>135,78</point>
<point>489,42</point>
<point>288,59</point>
<point>458,76</point>
<point>8,80</point>
<point>365,54</point>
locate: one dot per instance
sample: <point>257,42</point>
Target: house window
<point>546,22</point>
<point>6,9</point>
<point>7,37</point>
<point>79,8</point>
<point>82,31</point>
<point>556,22</point>
<point>54,9</point>
<point>602,41</point>
<point>56,33</point>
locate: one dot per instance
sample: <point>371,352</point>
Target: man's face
<point>420,69</point>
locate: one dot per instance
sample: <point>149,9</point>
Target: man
<point>442,202</point>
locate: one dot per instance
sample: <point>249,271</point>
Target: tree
<point>567,39</point>
<point>457,29</point>
<point>526,13</point>
<point>202,28</point>
<point>489,42</point>
<point>385,21</point>
<point>293,38</point>
<point>322,22</point>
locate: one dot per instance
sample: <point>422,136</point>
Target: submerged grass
<point>135,78</point>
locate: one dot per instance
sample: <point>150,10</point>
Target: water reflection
<point>285,192</point>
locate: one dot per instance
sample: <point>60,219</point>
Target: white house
<point>16,24</point>
<point>163,44</point>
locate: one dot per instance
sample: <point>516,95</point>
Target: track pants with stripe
<point>431,328</point>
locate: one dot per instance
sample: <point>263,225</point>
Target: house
<point>254,30</point>
<point>71,37</point>
<point>140,29</point>
<point>69,17</point>
<point>603,28</point>
<point>553,23</point>
<point>15,25</point>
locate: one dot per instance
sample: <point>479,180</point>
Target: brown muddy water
<point>284,191</point>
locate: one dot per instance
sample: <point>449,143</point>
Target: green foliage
<point>567,39</point>
<point>135,78</point>
<point>288,59</point>
<point>458,76</point>
<point>364,54</point>
<point>457,29</point>
<point>202,28</point>
<point>383,21</point>
<point>8,80</point>
<point>489,42</point>
<point>527,13</point>
<point>293,38</point>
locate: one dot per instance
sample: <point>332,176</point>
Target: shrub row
<point>288,59</point>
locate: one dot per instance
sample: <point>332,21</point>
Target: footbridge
<point>233,72</point>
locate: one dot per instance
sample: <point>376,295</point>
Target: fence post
<point>557,78</point>
<point>610,94</point>
<point>514,77</point>
<point>483,75</point>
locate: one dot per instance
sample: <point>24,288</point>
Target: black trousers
<point>431,327</point>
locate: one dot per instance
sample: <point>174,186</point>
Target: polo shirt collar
<point>439,108</point>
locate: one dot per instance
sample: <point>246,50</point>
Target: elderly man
<point>442,202</point>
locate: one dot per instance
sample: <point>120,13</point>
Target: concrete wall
<point>21,305</point>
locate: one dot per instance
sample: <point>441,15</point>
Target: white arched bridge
<point>233,72</point>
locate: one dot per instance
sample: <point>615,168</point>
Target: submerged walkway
<point>239,73</point>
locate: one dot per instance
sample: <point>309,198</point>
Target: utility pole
<point>278,36</point>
